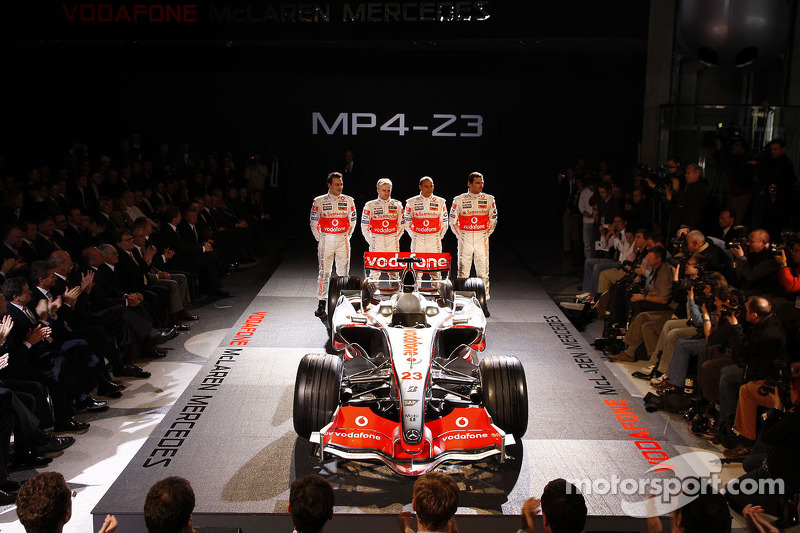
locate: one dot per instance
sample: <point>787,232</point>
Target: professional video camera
<point>787,241</point>
<point>659,175</point>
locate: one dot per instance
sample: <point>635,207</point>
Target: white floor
<point>98,456</point>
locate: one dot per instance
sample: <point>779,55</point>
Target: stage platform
<point>231,432</point>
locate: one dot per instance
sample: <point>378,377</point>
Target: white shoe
<point>659,379</point>
<point>572,306</point>
<point>583,295</point>
<point>647,369</point>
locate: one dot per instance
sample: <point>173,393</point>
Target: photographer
<point>715,257</point>
<point>756,270</point>
<point>617,244</point>
<point>781,431</point>
<point>699,289</point>
<point>734,157</point>
<point>754,349</point>
<point>788,308</point>
<point>653,304</point>
<point>686,203</point>
<point>714,330</point>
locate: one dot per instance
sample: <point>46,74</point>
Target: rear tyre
<point>505,393</point>
<point>475,285</point>
<point>316,392</point>
<point>335,288</point>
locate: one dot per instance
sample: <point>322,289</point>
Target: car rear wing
<point>400,261</point>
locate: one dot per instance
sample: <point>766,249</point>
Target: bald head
<point>757,240</point>
<point>758,308</point>
<point>694,240</point>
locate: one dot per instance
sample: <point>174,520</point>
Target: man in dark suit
<point>194,258</point>
<point>34,357</point>
<point>134,278</point>
<point>61,309</point>
<point>129,330</point>
<point>45,244</point>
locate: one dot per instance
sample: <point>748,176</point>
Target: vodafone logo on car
<point>465,436</point>
<point>356,435</point>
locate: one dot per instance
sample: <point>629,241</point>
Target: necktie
<point>30,315</point>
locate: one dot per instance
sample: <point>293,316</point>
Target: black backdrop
<point>541,106</point>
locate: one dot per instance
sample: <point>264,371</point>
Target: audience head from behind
<point>704,513</point>
<point>44,503</point>
<point>563,507</point>
<point>311,502</point>
<point>435,500</point>
<point>169,505</point>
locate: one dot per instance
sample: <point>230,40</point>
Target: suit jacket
<point>44,247</point>
<point>130,273</point>
<point>22,358</point>
<point>187,235</point>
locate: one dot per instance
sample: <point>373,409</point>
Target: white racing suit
<point>426,223</point>
<point>382,224</point>
<point>473,218</point>
<point>333,220</point>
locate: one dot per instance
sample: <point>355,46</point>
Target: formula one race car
<point>406,387</point>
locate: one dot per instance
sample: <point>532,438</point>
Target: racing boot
<point>320,312</point>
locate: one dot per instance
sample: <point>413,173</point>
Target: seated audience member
<point>169,505</point>
<point>34,357</point>
<point>199,258</point>
<point>716,260</point>
<point>781,433</point>
<point>787,305</point>
<point>754,352</point>
<point>44,505</point>
<point>562,506</point>
<point>615,240</point>
<point>311,501</point>
<point>715,331</point>
<point>435,501</point>
<point>654,303</point>
<point>728,230</point>
<point>629,263</point>
<point>660,341</point>
<point>12,249</point>
<point>756,270</point>
<point>703,513</point>
<point>176,282</point>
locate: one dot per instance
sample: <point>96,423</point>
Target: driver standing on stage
<point>333,220</point>
<point>382,220</point>
<point>426,219</point>
<point>473,218</point>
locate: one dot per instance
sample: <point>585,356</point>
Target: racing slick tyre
<point>316,392</point>
<point>505,394</point>
<point>335,288</point>
<point>475,285</point>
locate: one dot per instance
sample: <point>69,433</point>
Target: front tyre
<point>505,393</point>
<point>316,392</point>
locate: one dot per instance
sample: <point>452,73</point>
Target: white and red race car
<point>406,387</point>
